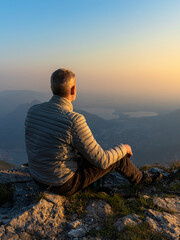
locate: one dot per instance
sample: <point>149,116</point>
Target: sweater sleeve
<point>86,145</point>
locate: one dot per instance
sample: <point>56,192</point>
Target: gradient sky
<point>115,47</point>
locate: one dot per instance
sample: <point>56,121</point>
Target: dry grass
<point>173,165</point>
<point>4,165</point>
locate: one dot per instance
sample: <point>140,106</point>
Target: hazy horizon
<point>93,103</point>
<point>118,49</point>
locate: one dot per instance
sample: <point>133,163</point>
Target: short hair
<point>60,81</point>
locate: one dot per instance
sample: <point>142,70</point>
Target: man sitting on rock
<point>63,155</point>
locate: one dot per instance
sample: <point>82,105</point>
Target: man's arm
<point>84,142</point>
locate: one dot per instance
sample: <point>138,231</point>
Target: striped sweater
<point>55,136</point>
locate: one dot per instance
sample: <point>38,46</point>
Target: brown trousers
<point>87,173</point>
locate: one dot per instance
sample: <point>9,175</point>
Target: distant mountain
<point>11,99</point>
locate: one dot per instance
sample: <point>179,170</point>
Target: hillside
<point>5,165</point>
<point>116,210</point>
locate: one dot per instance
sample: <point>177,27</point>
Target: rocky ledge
<point>33,214</point>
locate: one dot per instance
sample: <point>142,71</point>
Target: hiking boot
<point>149,178</point>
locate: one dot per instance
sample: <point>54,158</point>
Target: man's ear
<point>73,90</point>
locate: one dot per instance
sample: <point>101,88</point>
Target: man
<point>62,152</point>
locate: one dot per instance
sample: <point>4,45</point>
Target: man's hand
<point>129,150</point>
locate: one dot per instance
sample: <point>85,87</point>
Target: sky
<point>127,48</point>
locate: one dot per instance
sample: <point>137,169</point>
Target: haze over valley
<point>155,138</point>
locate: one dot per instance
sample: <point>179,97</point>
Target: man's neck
<point>69,98</point>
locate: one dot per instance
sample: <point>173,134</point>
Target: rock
<point>15,175</point>
<point>4,219</point>
<point>146,197</point>
<point>24,194</point>
<point>74,224</point>
<point>116,180</point>
<point>54,198</point>
<point>157,170</point>
<point>164,222</point>
<point>39,220</point>
<point>26,219</point>
<point>10,234</point>
<point>128,220</point>
<point>79,232</point>
<point>98,210</point>
<point>26,236</point>
<point>165,174</point>
<point>168,204</point>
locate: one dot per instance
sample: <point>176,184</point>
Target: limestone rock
<point>76,233</point>
<point>128,220</point>
<point>157,170</point>
<point>39,220</point>
<point>166,222</point>
<point>115,179</point>
<point>98,210</point>
<point>54,198</point>
<point>168,204</point>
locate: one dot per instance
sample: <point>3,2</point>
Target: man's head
<point>63,83</point>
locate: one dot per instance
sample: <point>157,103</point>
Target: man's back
<point>52,159</point>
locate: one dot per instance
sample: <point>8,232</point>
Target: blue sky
<point>110,45</point>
